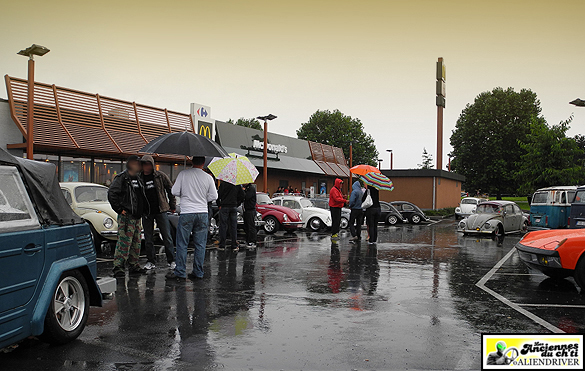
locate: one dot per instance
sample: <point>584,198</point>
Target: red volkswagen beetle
<point>276,217</point>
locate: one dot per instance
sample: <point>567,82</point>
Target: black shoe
<point>119,273</point>
<point>235,249</point>
<point>220,248</point>
<point>173,276</point>
<point>193,277</point>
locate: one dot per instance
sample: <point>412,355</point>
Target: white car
<point>467,207</point>
<point>315,218</point>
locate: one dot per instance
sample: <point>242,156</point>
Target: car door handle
<point>31,248</point>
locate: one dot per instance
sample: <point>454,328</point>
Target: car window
<point>263,199</point>
<point>67,195</point>
<point>488,209</point>
<point>292,204</point>
<point>16,209</point>
<point>570,196</point>
<point>304,203</point>
<point>407,207</point>
<point>509,209</point>
<point>468,201</point>
<point>384,207</point>
<point>277,202</point>
<point>517,209</point>
<point>540,198</point>
<point>91,194</point>
<point>580,197</point>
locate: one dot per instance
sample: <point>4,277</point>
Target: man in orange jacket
<point>336,202</point>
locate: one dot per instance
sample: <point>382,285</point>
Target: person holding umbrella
<point>371,201</point>
<point>357,214</point>
<point>195,188</point>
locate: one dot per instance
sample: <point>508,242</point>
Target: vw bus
<point>551,207</point>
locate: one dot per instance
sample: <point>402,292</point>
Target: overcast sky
<point>374,60</point>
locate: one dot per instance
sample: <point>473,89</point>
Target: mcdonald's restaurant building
<point>88,137</point>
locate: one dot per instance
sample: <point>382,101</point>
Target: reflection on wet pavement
<point>302,302</point>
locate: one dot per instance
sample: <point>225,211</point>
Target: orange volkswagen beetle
<point>556,253</point>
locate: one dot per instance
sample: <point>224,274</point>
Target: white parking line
<point>553,305</point>
<point>481,284</point>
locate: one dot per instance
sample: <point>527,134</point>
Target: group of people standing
<point>141,195</point>
<point>289,191</point>
<point>363,203</point>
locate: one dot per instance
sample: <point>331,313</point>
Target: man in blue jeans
<point>195,188</point>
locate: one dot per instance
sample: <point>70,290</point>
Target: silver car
<point>495,218</point>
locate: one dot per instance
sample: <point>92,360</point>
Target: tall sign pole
<point>441,75</point>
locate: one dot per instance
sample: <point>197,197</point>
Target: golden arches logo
<point>205,130</point>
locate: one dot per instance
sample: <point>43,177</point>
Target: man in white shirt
<point>195,188</point>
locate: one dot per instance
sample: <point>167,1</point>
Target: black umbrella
<point>185,143</point>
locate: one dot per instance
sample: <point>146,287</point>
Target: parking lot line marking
<point>553,305</point>
<point>481,284</point>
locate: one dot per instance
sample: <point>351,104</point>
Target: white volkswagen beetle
<point>315,218</point>
<point>467,206</point>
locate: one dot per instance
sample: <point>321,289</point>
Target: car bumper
<point>539,259</point>
<point>110,235</point>
<point>292,225</point>
<point>484,232</point>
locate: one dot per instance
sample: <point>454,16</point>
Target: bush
<point>441,212</point>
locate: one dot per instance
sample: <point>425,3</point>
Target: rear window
<point>540,198</point>
<point>468,201</point>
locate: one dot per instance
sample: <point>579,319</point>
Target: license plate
<point>581,223</point>
<point>537,220</point>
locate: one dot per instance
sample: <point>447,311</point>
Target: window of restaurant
<point>46,158</point>
<point>106,170</point>
<point>75,169</point>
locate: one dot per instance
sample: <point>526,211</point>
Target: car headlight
<point>487,225</point>
<point>285,217</point>
<point>550,261</point>
<point>258,216</point>
<point>458,210</point>
<point>462,224</point>
<point>108,222</point>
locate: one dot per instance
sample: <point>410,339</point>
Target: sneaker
<point>149,266</point>
<point>251,245</point>
<point>335,236</point>
<point>193,277</point>
<point>236,249</point>
<point>136,271</point>
<point>173,276</point>
<point>172,266</point>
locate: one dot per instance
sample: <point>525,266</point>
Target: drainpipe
<point>434,192</point>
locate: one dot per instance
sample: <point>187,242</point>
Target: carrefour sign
<point>274,148</point>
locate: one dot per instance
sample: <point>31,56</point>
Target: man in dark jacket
<point>160,200</point>
<point>229,197</point>
<point>357,214</point>
<point>250,214</point>
<point>372,213</point>
<point>126,195</point>
<point>336,203</point>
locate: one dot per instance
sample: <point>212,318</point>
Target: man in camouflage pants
<point>127,197</point>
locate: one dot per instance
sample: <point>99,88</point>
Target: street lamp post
<point>265,169</point>
<point>391,159</point>
<point>380,164</point>
<point>30,52</point>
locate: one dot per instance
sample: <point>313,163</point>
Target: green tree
<point>487,136</point>
<point>551,158</point>
<point>427,160</point>
<point>249,123</point>
<point>339,130</point>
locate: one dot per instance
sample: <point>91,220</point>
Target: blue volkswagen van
<point>47,258</point>
<point>551,207</point>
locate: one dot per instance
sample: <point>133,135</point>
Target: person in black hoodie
<point>250,214</point>
<point>372,213</point>
<point>229,198</point>
<point>126,195</point>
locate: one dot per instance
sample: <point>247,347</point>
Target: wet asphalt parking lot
<point>418,300</point>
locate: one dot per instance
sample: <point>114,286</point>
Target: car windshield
<point>489,209</point>
<point>91,194</point>
<point>580,197</point>
<point>540,198</point>
<point>468,201</point>
<point>305,202</point>
<point>321,203</point>
<point>263,199</point>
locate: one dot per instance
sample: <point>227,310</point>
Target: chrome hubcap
<point>69,303</point>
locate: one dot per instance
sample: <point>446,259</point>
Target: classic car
<point>551,207</point>
<point>48,269</point>
<point>410,211</point>
<point>495,218</point>
<point>90,202</point>
<point>315,218</point>
<point>389,215</point>
<point>467,206</point>
<point>277,217</point>
<point>556,253</point>
<point>323,203</point>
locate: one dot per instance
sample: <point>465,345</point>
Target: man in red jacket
<point>336,202</point>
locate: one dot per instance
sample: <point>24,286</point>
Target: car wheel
<point>97,239</point>
<point>270,224</point>
<point>315,224</point>
<point>391,220</point>
<point>68,309</point>
<point>344,223</point>
<point>415,219</point>
<point>499,232</point>
<point>580,273</point>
